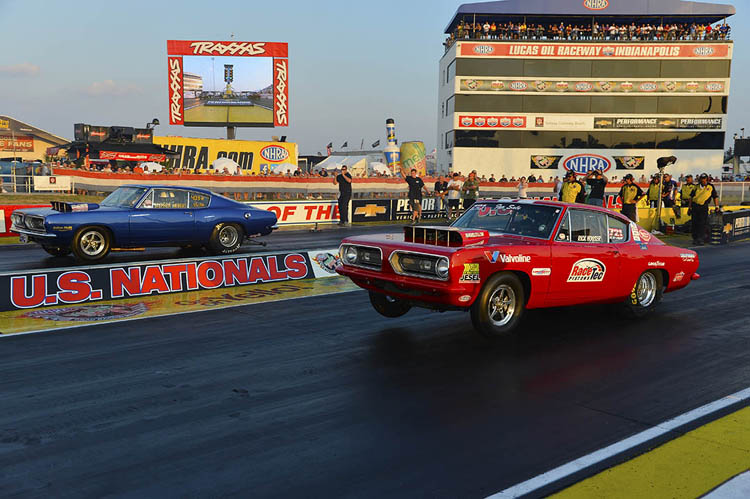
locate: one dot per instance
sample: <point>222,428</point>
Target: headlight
<point>17,219</point>
<point>442,268</point>
<point>350,254</point>
<point>34,223</point>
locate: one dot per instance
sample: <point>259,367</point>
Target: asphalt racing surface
<point>32,256</point>
<point>321,397</point>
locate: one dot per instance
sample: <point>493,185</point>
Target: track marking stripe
<point>601,455</point>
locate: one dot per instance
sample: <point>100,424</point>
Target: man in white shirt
<point>454,195</point>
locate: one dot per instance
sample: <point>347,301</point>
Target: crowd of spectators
<point>596,31</point>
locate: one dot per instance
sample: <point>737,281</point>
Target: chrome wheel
<point>228,236</point>
<point>646,289</point>
<point>92,243</point>
<point>501,305</point>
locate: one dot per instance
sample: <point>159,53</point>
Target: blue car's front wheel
<point>91,243</point>
<point>226,239</point>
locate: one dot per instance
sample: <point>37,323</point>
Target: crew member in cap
<point>630,193</point>
<point>698,208</point>
<point>572,191</point>
<point>597,181</point>
<point>687,189</point>
<point>654,194</point>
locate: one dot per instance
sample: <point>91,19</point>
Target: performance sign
<point>228,83</point>
<point>659,123</point>
<point>647,50</point>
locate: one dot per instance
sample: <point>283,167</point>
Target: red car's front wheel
<point>499,307</point>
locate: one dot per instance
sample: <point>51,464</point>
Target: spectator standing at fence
<point>454,194</point>
<point>699,203</point>
<point>344,181</point>
<point>572,191</point>
<point>416,186</point>
<point>597,181</point>
<point>470,190</point>
<point>522,186</point>
<point>441,189</point>
<point>630,193</point>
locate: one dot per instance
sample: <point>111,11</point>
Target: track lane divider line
<point>590,460</point>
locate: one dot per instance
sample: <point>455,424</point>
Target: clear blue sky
<point>351,64</point>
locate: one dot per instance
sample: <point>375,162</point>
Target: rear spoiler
<point>444,236</point>
<point>64,207</point>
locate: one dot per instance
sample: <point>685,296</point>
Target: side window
<point>148,201</point>
<point>563,233</point>
<point>618,230</point>
<point>588,226</point>
<point>170,199</point>
<point>199,200</point>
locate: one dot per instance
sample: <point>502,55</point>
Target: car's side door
<point>585,266</point>
<point>164,216</point>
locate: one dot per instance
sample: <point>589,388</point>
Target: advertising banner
<point>736,226</point>
<point>583,122</point>
<point>33,289</point>
<point>619,87</point>
<point>647,50</point>
<point>540,162</point>
<point>253,157</point>
<point>17,143</point>
<point>52,183</point>
<point>413,155</point>
<point>659,123</point>
<point>431,209</point>
<point>371,210</point>
<point>630,162</point>
<point>228,83</point>
<point>303,212</point>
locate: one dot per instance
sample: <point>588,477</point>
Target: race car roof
<point>669,10</point>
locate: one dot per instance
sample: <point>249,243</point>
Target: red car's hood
<point>398,241</point>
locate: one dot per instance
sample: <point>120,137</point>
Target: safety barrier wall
<point>52,287</point>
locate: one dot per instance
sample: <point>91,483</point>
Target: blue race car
<point>136,216</point>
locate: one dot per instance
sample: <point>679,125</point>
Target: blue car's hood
<point>45,212</point>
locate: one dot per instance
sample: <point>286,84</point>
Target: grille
<point>367,257</point>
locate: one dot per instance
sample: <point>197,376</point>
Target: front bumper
<point>32,233</point>
<point>421,292</point>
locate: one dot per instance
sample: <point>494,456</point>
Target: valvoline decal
<point>582,164</point>
<point>274,153</point>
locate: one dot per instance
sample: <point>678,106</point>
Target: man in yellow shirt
<point>572,190</point>
<point>704,193</point>
<point>630,193</point>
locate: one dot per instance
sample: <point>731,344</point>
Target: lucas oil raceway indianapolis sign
<point>46,288</point>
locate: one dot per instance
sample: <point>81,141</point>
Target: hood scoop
<point>449,237</point>
<point>64,207</point>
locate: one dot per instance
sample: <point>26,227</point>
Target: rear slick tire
<point>498,309</point>
<point>646,294</point>
<point>226,239</point>
<point>388,306</point>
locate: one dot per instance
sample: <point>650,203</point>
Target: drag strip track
<point>32,256</point>
<point>322,397</point>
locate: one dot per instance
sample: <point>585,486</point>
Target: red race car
<point>503,257</point>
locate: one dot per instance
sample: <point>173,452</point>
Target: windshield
<point>511,218</point>
<point>124,197</point>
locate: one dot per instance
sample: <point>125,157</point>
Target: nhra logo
<point>584,86</point>
<point>596,4</point>
<point>274,153</point>
<point>582,164</point>
<point>703,51</point>
<point>714,86</point>
<point>519,86</point>
<point>587,270</point>
<point>90,313</point>
<point>484,49</point>
<point>649,86</point>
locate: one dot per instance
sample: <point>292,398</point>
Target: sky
<point>352,64</point>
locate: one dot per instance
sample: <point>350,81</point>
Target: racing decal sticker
<point>615,233</point>
<point>496,256</point>
<point>589,239</point>
<point>325,262</point>
<point>470,274</point>
<point>541,272</point>
<point>645,235</point>
<point>587,270</point>
<point>678,277</point>
<point>687,257</point>
<point>636,232</point>
<point>656,264</point>
<point>90,313</point>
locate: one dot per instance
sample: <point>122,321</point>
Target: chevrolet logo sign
<point>370,210</point>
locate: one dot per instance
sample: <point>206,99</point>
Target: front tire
<point>57,250</point>
<point>91,244</point>
<point>646,294</point>
<point>388,306</point>
<point>498,309</point>
<point>226,239</point>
